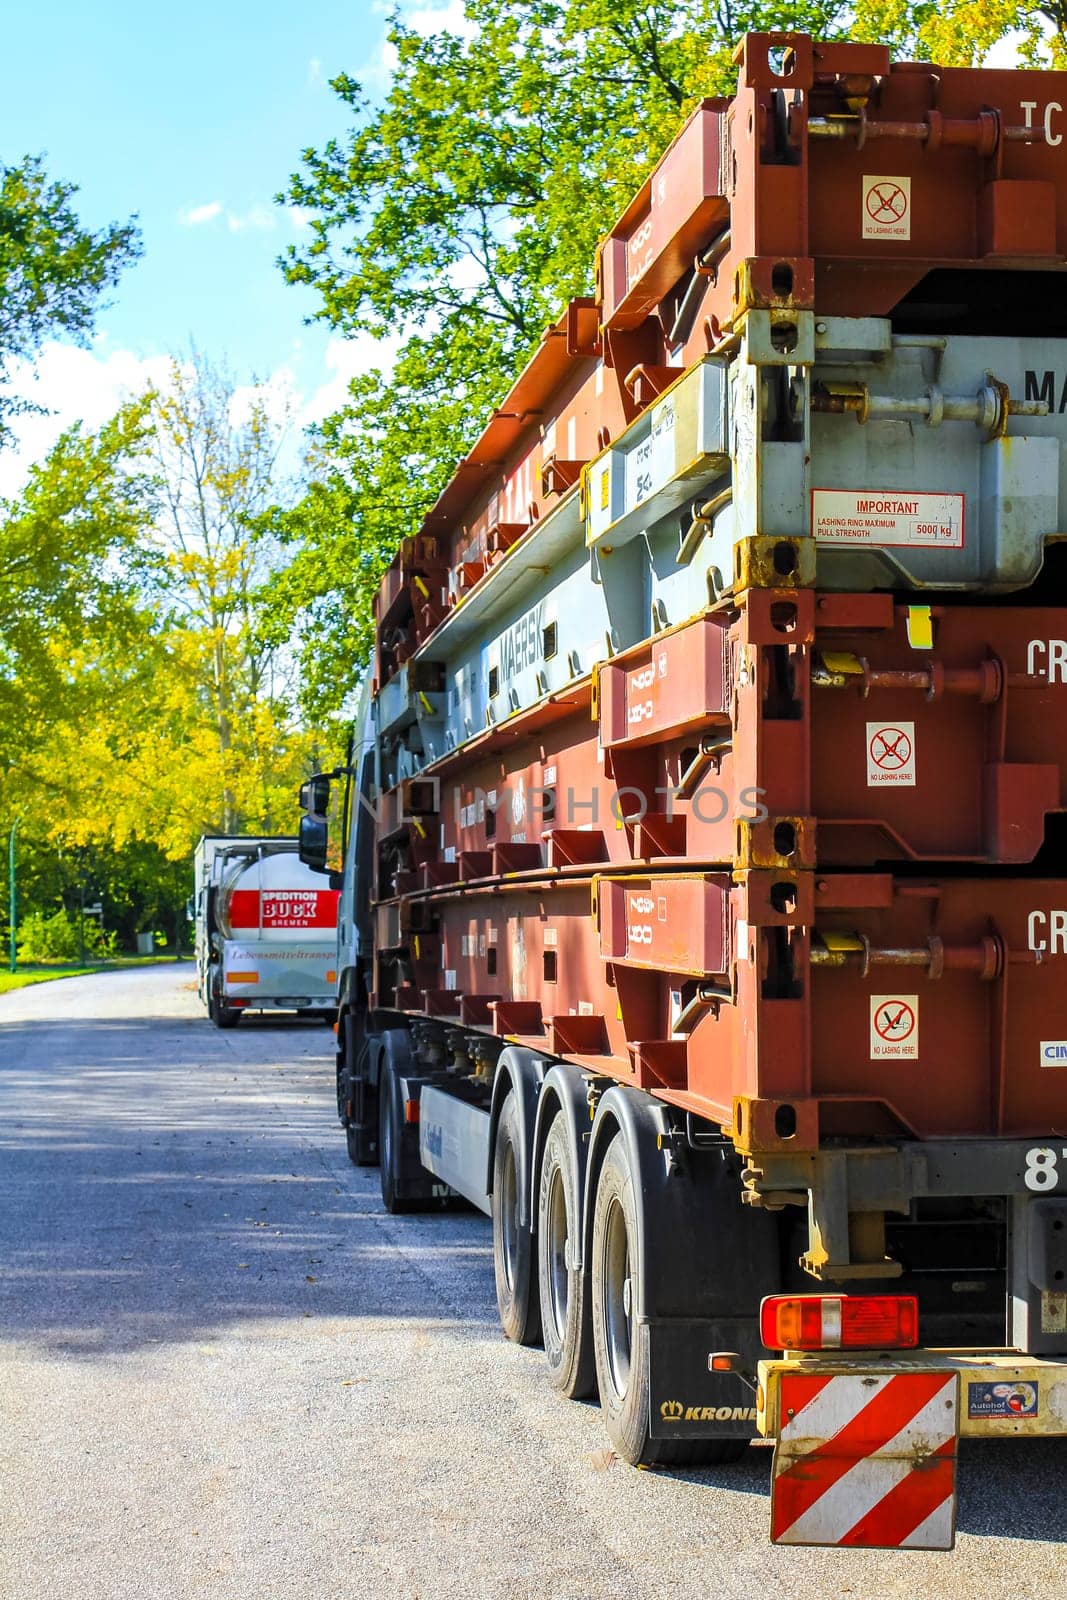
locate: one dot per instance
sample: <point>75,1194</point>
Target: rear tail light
<point>411,1111</point>
<point>840,1322</point>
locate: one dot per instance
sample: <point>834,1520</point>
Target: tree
<point>216,456</point>
<point>68,586</point>
<point>464,210</point>
<point>53,271</point>
<point>139,706</point>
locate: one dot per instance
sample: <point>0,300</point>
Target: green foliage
<point>70,608</point>
<point>463,211</point>
<point>140,703</point>
<point>55,938</point>
<point>52,270</point>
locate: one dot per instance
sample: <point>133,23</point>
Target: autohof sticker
<point>890,754</point>
<point>894,1027</point>
<point>1002,1400</point>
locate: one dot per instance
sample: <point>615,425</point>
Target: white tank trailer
<point>266,930</point>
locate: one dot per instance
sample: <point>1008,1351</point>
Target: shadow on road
<point>158,1179</point>
<point>1007,1489</point>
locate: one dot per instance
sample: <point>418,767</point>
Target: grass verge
<point>42,973</point>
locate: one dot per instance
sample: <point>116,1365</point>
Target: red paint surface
<point>281,908</point>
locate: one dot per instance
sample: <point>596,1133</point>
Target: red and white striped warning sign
<point>866,1459</point>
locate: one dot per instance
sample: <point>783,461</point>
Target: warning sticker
<point>886,210</point>
<point>1053,1312</point>
<point>887,516</point>
<point>894,1027</point>
<point>1002,1399</point>
<point>890,754</point>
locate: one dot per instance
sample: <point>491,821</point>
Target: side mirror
<point>190,910</point>
<point>312,842</point>
<point>315,795</point>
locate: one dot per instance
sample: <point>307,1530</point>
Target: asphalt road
<point>225,1372</point>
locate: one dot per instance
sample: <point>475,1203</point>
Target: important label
<point>894,1027</point>
<point>890,754</point>
<point>914,518</point>
<point>1053,1052</point>
<point>886,211</point>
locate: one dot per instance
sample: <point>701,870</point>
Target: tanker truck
<point>704,907</point>
<point>266,928</point>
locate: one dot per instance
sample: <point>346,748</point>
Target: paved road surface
<point>225,1372</point>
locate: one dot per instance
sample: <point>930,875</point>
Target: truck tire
<point>514,1255</point>
<point>563,1289</point>
<point>390,1128</point>
<point>361,1137</point>
<point>620,1340</point>
<point>223,1016</point>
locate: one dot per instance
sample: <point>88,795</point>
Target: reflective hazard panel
<point>866,1459</point>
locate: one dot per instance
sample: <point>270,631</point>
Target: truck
<point>266,929</point>
<point>703,915</point>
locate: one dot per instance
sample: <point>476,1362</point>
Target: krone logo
<point>672,1411</point>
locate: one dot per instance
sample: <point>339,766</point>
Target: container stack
<point>744,623</point>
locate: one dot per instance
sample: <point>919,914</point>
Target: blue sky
<point>193,117</point>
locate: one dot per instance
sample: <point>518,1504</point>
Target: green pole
<point>11,907</point>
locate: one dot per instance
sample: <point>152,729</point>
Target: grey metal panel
<point>521,574</point>
<point>679,442</point>
<point>1011,485</point>
<point>509,642</point>
<point>454,1144</point>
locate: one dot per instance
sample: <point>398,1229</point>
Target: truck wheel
<point>620,1341</point>
<point>223,1016</point>
<point>513,1245</point>
<point>389,1135</point>
<point>361,1134</point>
<point>563,1289</point>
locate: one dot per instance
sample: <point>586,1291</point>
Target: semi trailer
<point>703,916</point>
<point>266,929</point>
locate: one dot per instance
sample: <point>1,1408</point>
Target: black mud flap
<point>686,1400</point>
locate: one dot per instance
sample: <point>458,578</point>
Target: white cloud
<point>347,359</point>
<point>195,216</point>
<point>74,385</point>
<point>314,72</point>
<point>278,395</point>
<point>447,18</point>
<point>423,17</point>
<point>89,385</point>
<point>299,216</point>
<point>258,217</point>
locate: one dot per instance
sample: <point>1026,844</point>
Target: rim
<point>556,1253</point>
<point>509,1216</point>
<point>618,1319</point>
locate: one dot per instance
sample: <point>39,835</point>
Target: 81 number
<point>1041,1168</point>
